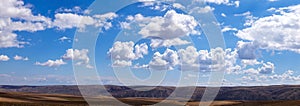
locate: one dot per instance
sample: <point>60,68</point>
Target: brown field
<point>32,99</point>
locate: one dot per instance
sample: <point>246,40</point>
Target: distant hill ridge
<point>278,92</point>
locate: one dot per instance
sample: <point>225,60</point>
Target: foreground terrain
<point>30,99</point>
<point>70,96</point>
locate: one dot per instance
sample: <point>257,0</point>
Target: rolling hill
<point>256,93</point>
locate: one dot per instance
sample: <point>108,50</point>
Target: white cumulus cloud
<point>247,62</point>
<point>64,38</point>
<point>69,20</point>
<point>247,50</point>
<point>267,68</point>
<point>276,32</point>
<point>123,53</point>
<point>171,25</point>
<point>228,28</point>
<point>166,61</point>
<point>24,21</point>
<point>189,58</point>
<point>286,76</point>
<point>200,10</point>
<point>178,5</point>
<point>235,3</point>
<point>155,43</point>
<point>205,61</point>
<point>80,56</point>
<point>16,16</point>
<point>17,57</point>
<point>4,58</point>
<point>52,63</point>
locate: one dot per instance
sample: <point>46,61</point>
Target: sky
<point>150,43</point>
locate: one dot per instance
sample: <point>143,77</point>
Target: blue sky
<point>262,42</point>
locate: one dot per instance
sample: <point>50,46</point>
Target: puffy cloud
<point>14,8</point>
<point>264,68</point>
<point>178,5</point>
<point>21,58</point>
<point>189,58</point>
<point>200,10</point>
<point>272,0</point>
<point>276,32</point>
<point>217,1</point>
<point>213,60</point>
<point>228,28</point>
<point>283,78</point>
<point>141,50</point>
<point>24,26</point>
<point>286,76</point>
<point>64,38</point>
<point>75,9</point>
<point>246,62</point>
<point>155,43</point>
<point>8,39</point>
<point>147,2</point>
<point>250,78</point>
<point>52,63</point>
<point>121,63</point>
<point>166,61</point>
<point>164,31</point>
<point>190,55</point>
<point>231,57</point>
<point>223,15</point>
<point>248,13</point>
<point>159,64</point>
<point>250,19</point>
<point>81,56</point>
<point>4,58</point>
<point>251,71</point>
<point>102,20</point>
<point>267,68</point>
<point>17,9</point>
<point>69,20</point>
<point>16,16</point>
<point>138,66</point>
<point>247,50</point>
<point>122,53</point>
<point>7,27</point>
<point>24,20</point>
<point>235,3</point>
<point>159,6</point>
<point>203,60</point>
<point>171,25</point>
<point>219,58</point>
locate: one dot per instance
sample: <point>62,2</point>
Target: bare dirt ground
<point>32,99</point>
